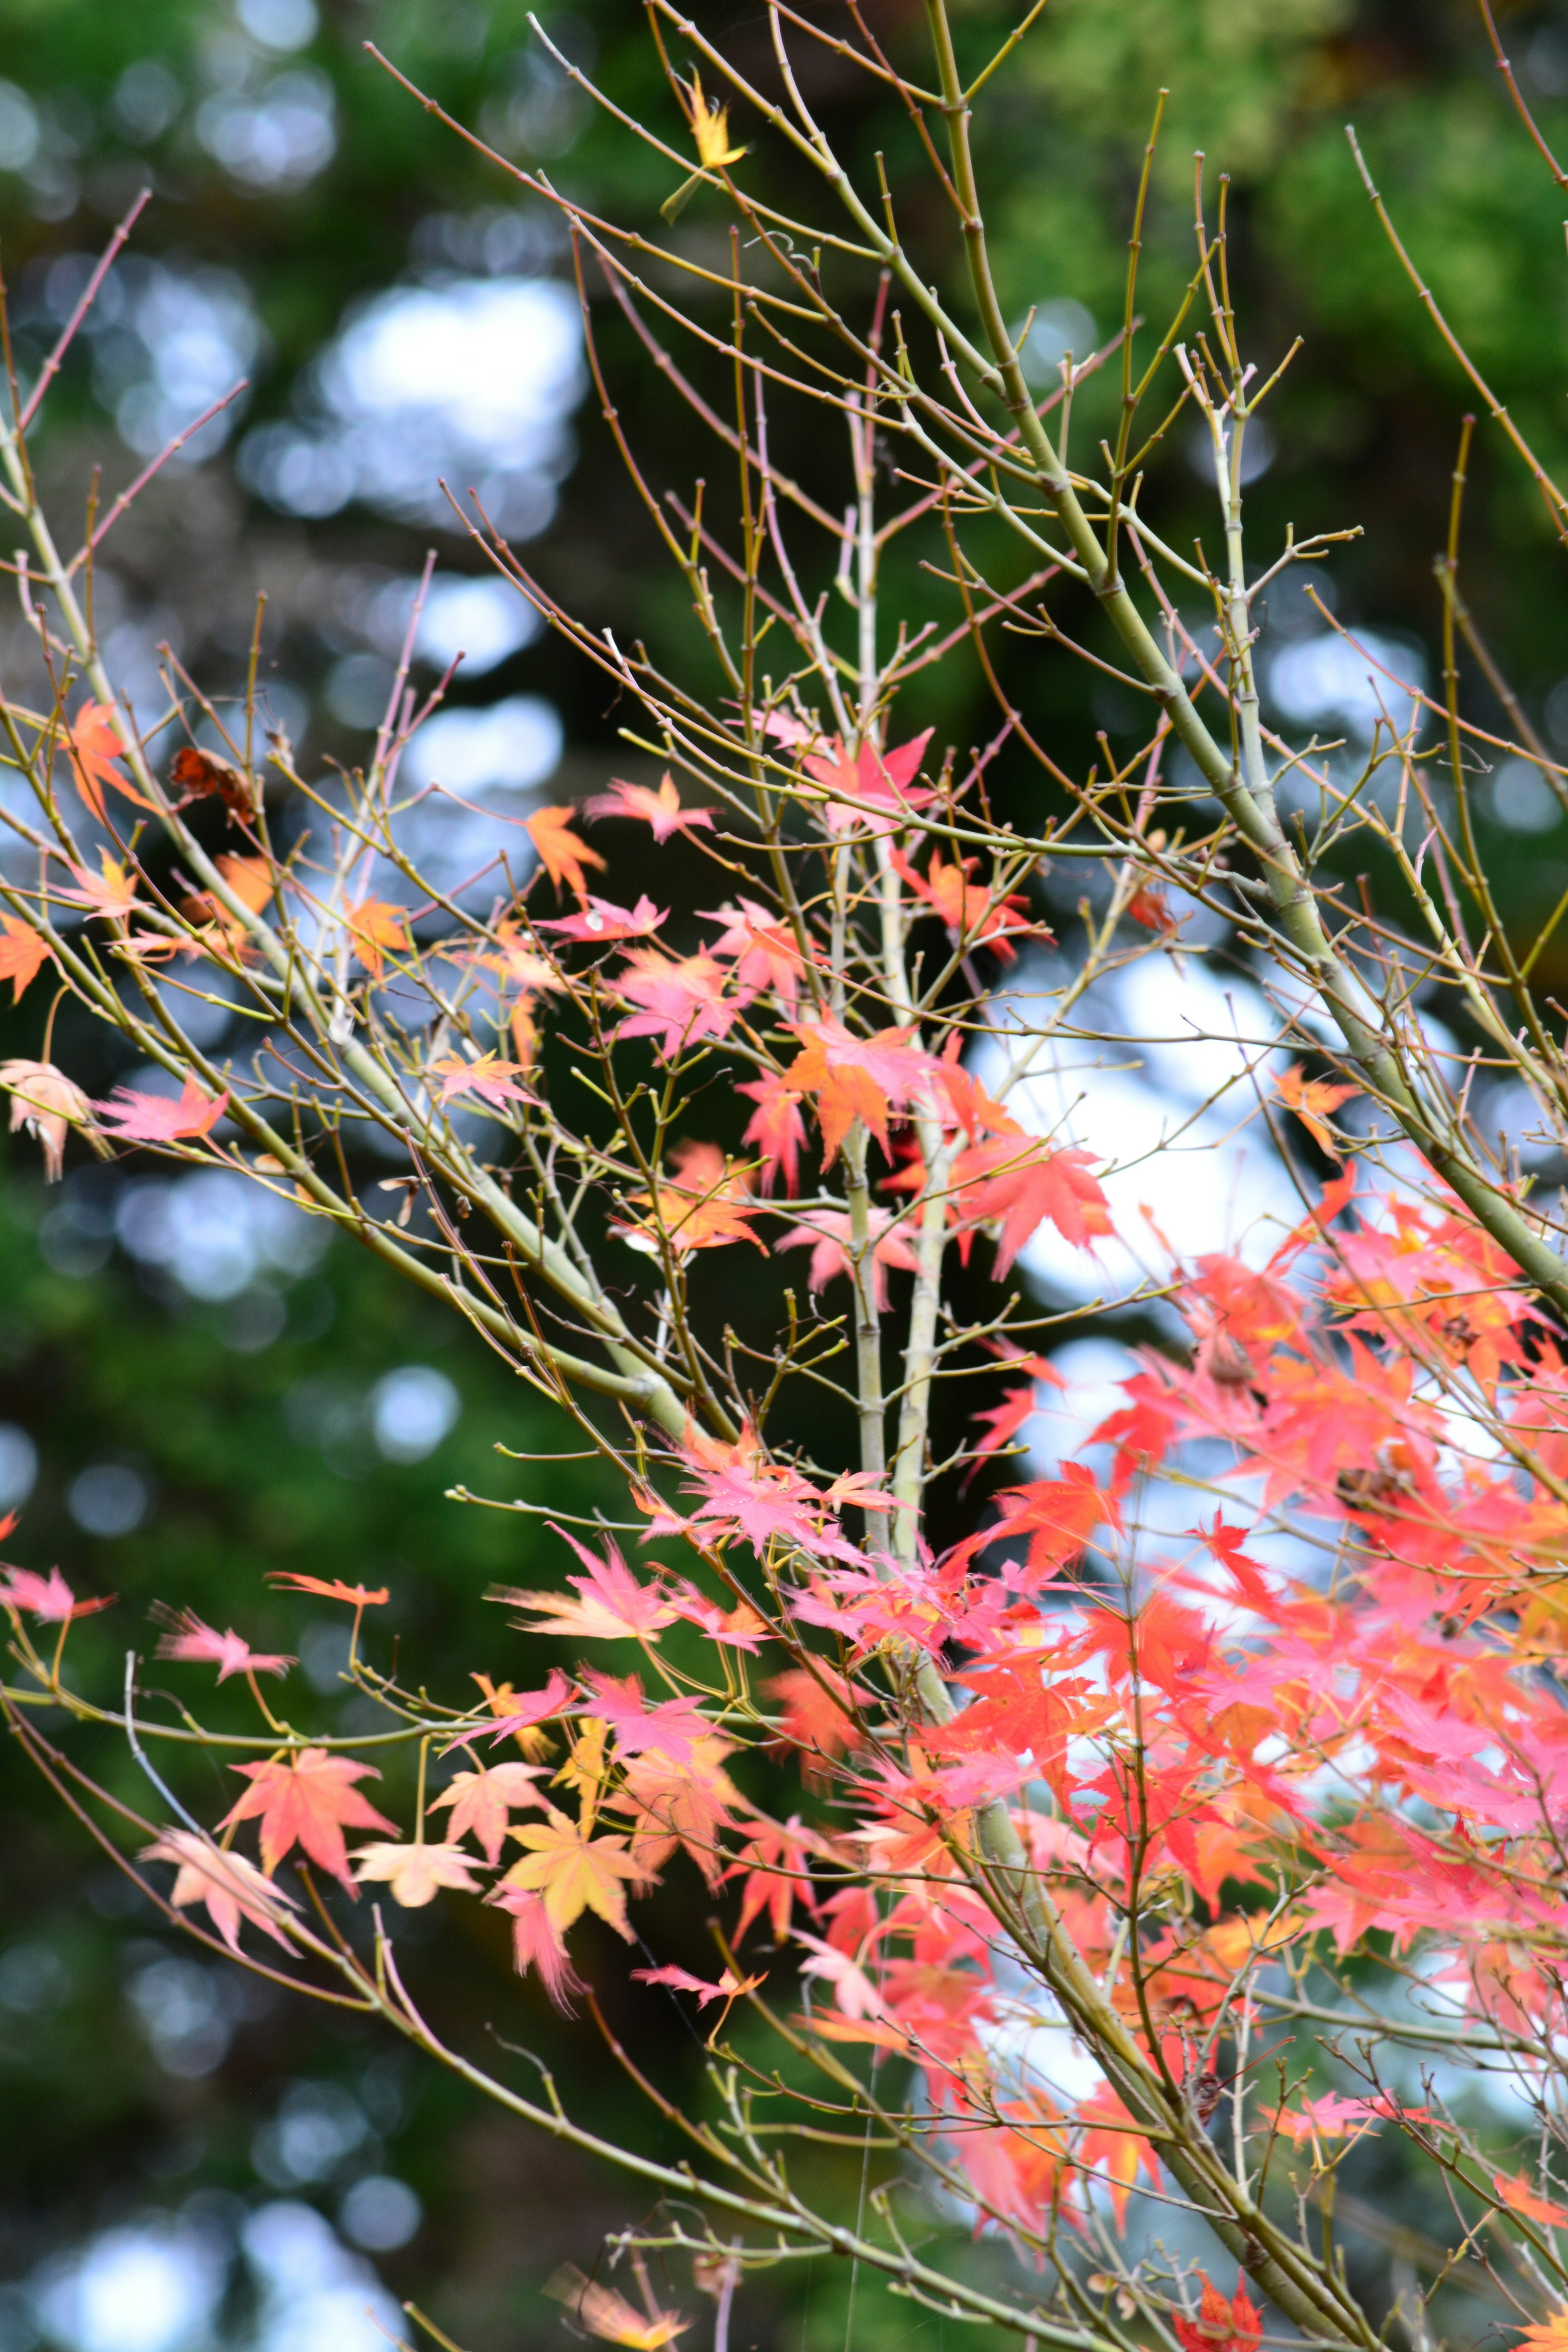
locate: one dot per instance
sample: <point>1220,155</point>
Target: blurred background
<point>193,1388</point>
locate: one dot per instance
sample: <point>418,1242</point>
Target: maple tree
<point>1192,1815</point>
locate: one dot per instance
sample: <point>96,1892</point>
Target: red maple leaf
<point>158,1119</point>
<point>488,1076</point>
<point>1222,2325</point>
<point>611,1606</point>
<point>1022,1183</point>
<point>776,1127</point>
<point>972,917</point>
<point>885,780</point>
<point>817,1714</point>
<point>826,1233</point>
<point>661,810</point>
<point>537,1943</point>
<point>307,1799</point>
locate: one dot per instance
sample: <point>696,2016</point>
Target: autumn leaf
<point>480,1801</point>
<point>827,1233</point>
<point>48,1597</point>
<point>728,1988</point>
<point>678,1000</point>
<point>308,1799</point>
<point>22,952</point>
<point>605,2314</point>
<point>200,775</point>
<point>573,1872</point>
<point>708,1206</point>
<point>711,130</point>
<point>373,927</point>
<point>231,1887</point>
<point>1546,2335</point>
<point>47,1104</point>
<point>413,1872</point>
<point>611,1606</point>
<point>187,1638</point>
<point>599,922</point>
<point>487,1076</point>
<point>661,811</point>
<point>1221,2325</point>
<point>95,745</point>
<point>111,892</point>
<point>1312,1100</point>
<point>764,948</point>
<point>535,1944</point>
<point>776,1127</point>
<point>886,780</point>
<point>1519,2198</point>
<point>329,1588</point>
<point>562,853</point>
<point>1019,1184</point>
<point>251,880</point>
<point>864,1079</point>
<point>136,1118</point>
<point>519,1716</point>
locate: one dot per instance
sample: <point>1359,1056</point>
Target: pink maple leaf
<point>49,1597</point>
<point>670,1728</point>
<point>826,1233</point>
<point>188,1638</point>
<point>156,1119</point>
<point>599,921</point>
<point>679,1000</point>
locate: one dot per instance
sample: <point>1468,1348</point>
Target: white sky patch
<point>470,381</point>
<point>1170,1114</point>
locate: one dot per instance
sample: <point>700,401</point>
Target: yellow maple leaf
<point>574,1873</point>
<point>711,129</point>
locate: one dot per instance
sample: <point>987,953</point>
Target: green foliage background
<point>103,1362</point>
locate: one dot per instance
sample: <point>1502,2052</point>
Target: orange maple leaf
<point>307,1799</point>
<point>330,1588</point>
<point>372,926</point>
<point>573,1872</point>
<point>21,953</point>
<point>854,1077</point>
<point>709,1205</point>
<point>561,852</point>
<point>1311,1100</point>
<point>1519,2198</point>
<point>95,745</point>
<point>1546,2335</point>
